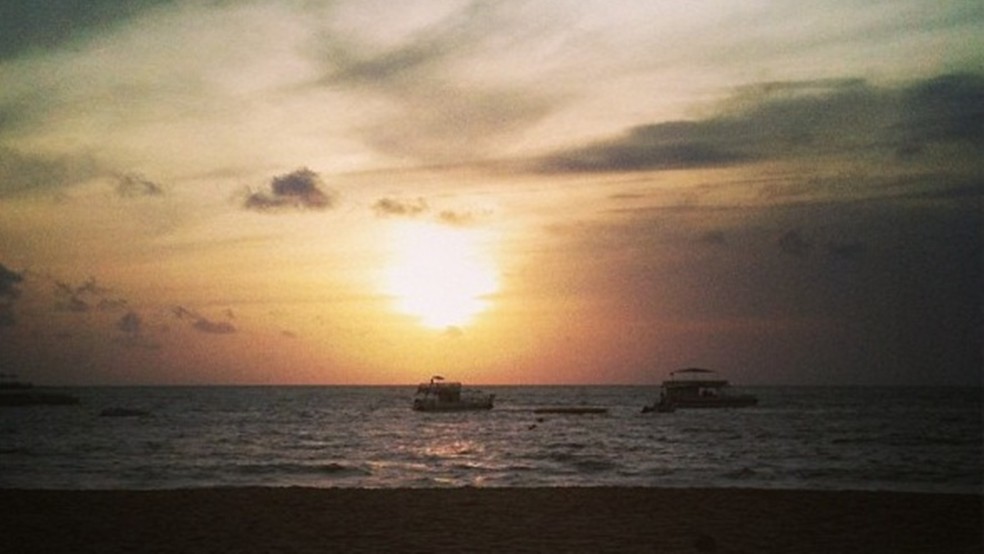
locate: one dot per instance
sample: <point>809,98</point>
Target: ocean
<point>851,438</point>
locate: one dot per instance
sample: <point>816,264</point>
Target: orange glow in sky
<point>540,192</point>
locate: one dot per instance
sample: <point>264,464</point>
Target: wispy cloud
<point>419,208</point>
<point>460,218</point>
<point>438,117</point>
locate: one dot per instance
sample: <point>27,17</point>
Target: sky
<point>509,192</point>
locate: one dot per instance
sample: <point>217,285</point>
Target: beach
<point>467,519</point>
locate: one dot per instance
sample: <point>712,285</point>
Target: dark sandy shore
<point>488,520</point>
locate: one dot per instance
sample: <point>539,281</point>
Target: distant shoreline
<point>561,519</point>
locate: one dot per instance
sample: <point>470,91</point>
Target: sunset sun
<point>440,275</point>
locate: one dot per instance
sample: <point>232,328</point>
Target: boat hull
<point>452,406</point>
<point>729,402</point>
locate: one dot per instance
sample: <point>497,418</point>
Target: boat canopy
<point>694,377</point>
<point>692,370</point>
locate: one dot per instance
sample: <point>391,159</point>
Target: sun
<point>441,275</point>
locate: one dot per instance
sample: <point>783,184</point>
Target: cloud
<point>130,323</point>
<point>438,117</point>
<point>214,327</point>
<point>24,173</point>
<point>8,282</point>
<point>133,185</point>
<point>661,146</point>
<point>945,108</point>
<point>301,189</point>
<point>203,324</point>
<point>458,218</point>
<point>181,312</point>
<point>82,298</point>
<point>402,208</point>
<point>25,28</point>
<point>133,332</point>
<point>9,291</point>
<point>789,120</point>
<point>418,207</point>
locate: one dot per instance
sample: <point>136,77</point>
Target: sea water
<point>902,439</point>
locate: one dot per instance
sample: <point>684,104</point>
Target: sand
<point>242,520</point>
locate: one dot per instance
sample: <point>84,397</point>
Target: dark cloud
<point>402,208</point>
<point>946,108</point>
<point>775,121</point>
<point>214,327</point>
<point>27,26</point>
<point>202,323</point>
<point>661,146</point>
<point>74,304</point>
<point>9,291</point>
<point>133,185</point>
<point>301,189</point>
<point>8,282</point>
<point>86,296</point>
<point>132,327</point>
<point>130,323</point>
<point>90,286</point>
<point>22,173</point>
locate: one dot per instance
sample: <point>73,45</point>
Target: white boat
<point>694,387</point>
<point>441,396</point>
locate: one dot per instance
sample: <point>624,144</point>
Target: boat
<point>694,387</point>
<point>439,395</point>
